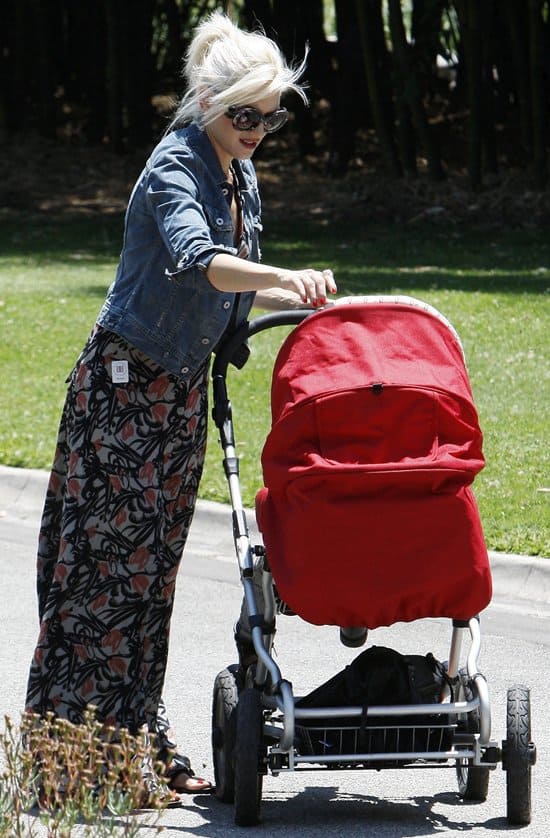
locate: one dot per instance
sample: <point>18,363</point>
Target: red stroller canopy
<point>367,514</point>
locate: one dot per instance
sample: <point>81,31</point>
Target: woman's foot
<point>184,783</point>
<point>181,778</point>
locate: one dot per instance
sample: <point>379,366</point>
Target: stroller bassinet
<point>367,513</point>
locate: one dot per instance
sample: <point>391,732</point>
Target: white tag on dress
<point>119,372</point>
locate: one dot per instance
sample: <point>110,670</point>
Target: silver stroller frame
<point>255,721</point>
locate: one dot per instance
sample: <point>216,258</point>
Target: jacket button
<point>219,221</point>
<point>226,304</point>
<point>205,341</point>
<point>185,369</point>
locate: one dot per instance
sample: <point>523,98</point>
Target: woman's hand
<point>311,285</point>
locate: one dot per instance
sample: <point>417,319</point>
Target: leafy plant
<point>57,775</point>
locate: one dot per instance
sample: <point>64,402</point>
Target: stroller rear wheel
<point>224,705</point>
<point>519,755</point>
<point>473,780</point>
<point>248,755</point>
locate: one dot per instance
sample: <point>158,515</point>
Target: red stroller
<point>367,519</point>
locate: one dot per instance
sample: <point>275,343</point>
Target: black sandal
<point>180,766</point>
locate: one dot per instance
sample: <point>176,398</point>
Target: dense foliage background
<point>433,85</point>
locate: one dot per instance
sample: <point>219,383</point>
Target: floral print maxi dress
<point>117,512</point>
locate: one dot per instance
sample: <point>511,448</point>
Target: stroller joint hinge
<point>255,620</point>
<point>231,466</point>
<point>491,756</point>
<point>239,525</point>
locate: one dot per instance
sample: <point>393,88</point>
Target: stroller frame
<point>256,722</point>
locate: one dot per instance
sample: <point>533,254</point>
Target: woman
<point>133,432</point>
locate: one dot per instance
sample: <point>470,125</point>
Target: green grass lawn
<point>491,285</point>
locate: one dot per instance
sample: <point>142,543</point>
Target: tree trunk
<point>518,31</point>
<point>468,11</point>
<point>538,101</point>
<point>85,83</point>
<point>426,30</point>
<point>488,25</point>
<point>371,30</point>
<point>406,137</point>
<point>12,66</point>
<point>297,22</point>
<point>113,76</point>
<point>347,92</point>
<point>44,65</point>
<point>410,88</point>
<point>137,72</point>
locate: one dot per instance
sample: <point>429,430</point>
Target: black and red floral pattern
<point>119,505</point>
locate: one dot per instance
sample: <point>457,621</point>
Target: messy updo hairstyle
<point>226,66</point>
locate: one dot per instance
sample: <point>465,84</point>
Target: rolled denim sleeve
<point>193,222</point>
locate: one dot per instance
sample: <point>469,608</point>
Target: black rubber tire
<point>473,780</point>
<point>518,755</point>
<point>225,698</point>
<point>249,748</point>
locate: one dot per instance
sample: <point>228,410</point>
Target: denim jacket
<point>178,218</point>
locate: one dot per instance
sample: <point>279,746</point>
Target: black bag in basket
<point>378,676</point>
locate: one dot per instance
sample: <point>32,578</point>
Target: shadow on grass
<point>405,282</point>
<point>390,259</point>
<point>377,259</point>
<point>92,238</point>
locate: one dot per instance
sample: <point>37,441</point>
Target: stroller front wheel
<point>249,751</point>
<point>224,706</point>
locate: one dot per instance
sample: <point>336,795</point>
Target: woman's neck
<point>224,159</point>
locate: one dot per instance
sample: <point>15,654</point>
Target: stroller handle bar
<point>230,350</point>
<point>234,349</point>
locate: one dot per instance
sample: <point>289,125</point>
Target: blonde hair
<point>226,66</point>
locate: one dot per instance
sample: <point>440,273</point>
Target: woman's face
<point>230,143</point>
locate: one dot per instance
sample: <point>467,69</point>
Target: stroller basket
<point>419,736</point>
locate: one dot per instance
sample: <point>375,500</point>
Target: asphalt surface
<point>388,804</point>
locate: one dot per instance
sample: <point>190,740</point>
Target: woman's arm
<point>278,299</point>
<point>229,273</point>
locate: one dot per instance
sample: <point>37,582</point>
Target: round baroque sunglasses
<point>246,118</point>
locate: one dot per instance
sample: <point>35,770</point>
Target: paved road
<point>516,648</point>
